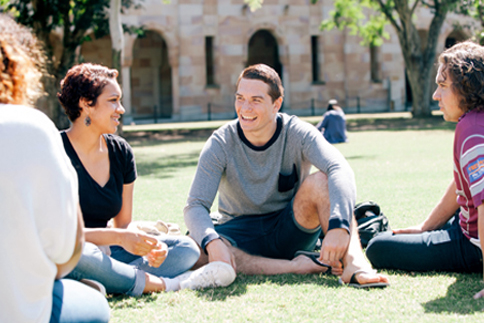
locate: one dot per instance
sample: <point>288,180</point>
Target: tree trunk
<point>420,80</point>
<point>67,60</point>
<point>419,61</point>
<point>117,41</point>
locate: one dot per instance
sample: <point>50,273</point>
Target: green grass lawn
<point>402,164</point>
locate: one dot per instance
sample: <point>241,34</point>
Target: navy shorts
<point>273,235</point>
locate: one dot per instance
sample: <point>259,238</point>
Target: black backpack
<point>371,221</point>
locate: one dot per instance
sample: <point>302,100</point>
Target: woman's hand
<point>157,255</point>
<point>137,242</point>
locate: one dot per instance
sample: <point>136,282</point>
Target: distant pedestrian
<point>333,125</point>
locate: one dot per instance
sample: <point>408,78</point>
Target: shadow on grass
<point>165,167</point>
<point>239,287</point>
<point>151,138</point>
<point>459,296</point>
<point>129,302</point>
<point>361,157</point>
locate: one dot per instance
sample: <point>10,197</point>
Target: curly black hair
<point>463,63</point>
<point>83,81</point>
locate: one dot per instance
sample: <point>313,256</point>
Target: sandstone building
<point>185,66</point>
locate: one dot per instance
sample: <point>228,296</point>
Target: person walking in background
<point>41,227</point>
<point>333,124</point>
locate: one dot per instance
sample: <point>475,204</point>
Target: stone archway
<point>151,78</point>
<point>263,48</point>
<point>456,36</point>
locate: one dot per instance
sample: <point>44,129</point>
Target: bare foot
<point>304,265</point>
<point>368,276</point>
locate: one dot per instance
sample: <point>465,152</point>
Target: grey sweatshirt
<point>260,180</point>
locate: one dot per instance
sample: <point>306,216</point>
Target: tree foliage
<point>354,16</point>
<point>63,25</point>
<point>475,9</point>
<point>367,18</point>
<point>254,4</point>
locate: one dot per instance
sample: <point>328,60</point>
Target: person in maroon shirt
<point>448,239</point>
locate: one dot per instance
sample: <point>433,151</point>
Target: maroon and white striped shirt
<point>469,169</point>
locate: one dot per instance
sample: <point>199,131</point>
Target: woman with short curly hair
<point>131,262</point>
<point>84,81</point>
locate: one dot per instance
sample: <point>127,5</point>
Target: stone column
<point>286,80</point>
<point>175,83</point>
<point>126,75</point>
<point>127,61</point>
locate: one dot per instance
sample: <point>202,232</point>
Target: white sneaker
<point>214,274</point>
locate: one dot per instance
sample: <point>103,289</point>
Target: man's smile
<point>247,118</point>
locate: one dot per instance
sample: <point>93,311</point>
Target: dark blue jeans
<point>446,249</point>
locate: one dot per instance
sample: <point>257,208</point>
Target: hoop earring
<point>87,121</point>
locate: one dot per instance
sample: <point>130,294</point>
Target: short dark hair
<point>463,63</point>
<point>83,81</point>
<point>267,75</point>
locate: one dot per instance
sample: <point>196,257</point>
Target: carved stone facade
<point>186,66</point>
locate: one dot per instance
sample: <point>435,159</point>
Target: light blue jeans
<point>124,273</point>
<point>75,302</point>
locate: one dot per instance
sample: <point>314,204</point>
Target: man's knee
<point>317,182</point>
<point>314,189</point>
<point>312,201</point>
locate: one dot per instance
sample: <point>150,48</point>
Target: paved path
<point>196,125</point>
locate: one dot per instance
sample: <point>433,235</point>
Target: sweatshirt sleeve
<point>341,180</point>
<point>203,190</point>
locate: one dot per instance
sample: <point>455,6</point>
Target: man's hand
<point>218,251</point>
<point>335,245</point>
<point>137,242</point>
<point>409,230</point>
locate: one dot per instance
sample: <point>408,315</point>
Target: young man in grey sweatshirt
<point>270,206</point>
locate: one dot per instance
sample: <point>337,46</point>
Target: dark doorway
<point>263,48</point>
<point>457,36</point>
<point>408,92</point>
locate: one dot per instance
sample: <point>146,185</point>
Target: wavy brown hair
<point>22,62</point>
<point>83,81</point>
<point>463,63</point>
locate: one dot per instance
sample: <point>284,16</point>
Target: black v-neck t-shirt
<point>99,204</point>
